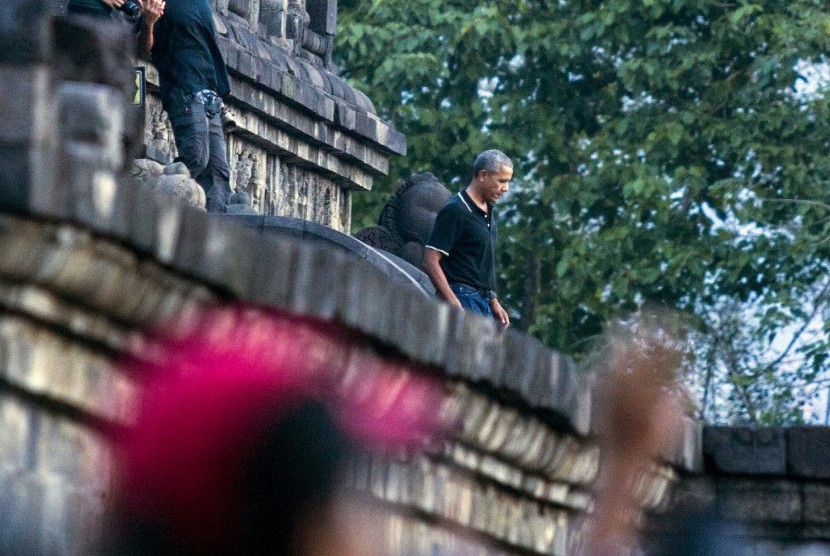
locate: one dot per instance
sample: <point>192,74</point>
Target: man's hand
<point>499,313</point>
<point>114,4</point>
<point>152,10</point>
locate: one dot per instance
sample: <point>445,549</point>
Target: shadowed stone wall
<point>770,486</point>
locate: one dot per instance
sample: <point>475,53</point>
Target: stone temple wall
<point>90,262</point>
<point>769,485</point>
<point>304,139</point>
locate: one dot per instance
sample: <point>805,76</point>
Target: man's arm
<point>151,11</point>
<point>432,266</point>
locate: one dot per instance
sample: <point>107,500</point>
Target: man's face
<point>495,184</point>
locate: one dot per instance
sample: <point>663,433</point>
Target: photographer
<point>193,79</point>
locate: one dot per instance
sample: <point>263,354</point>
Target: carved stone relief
<point>406,221</point>
<point>272,16</point>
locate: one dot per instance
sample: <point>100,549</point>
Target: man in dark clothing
<point>193,79</point>
<point>460,254</point>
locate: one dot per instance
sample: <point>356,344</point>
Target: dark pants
<point>472,300</point>
<point>201,145</point>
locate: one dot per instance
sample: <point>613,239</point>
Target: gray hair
<point>491,161</point>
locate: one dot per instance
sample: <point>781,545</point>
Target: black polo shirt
<point>466,235</point>
<point>185,51</point>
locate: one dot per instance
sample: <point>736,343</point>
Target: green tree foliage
<point>663,152</point>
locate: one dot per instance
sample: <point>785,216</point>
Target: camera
<point>131,9</point>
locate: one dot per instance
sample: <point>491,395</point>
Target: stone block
<point>479,348</point>
<point>84,521</point>
<point>520,438</point>
<point>494,437</point>
<point>15,426</point>
<point>75,454</point>
<point>271,78</point>
<point>565,391</point>
<point>92,123</point>
<point>46,364</point>
<point>366,126</point>
<point>190,243</point>
<point>363,102</point>
<point>538,437</point>
<point>167,230</point>
<point>367,298</point>
<point>122,211</point>
<point>745,450</point>
<point>768,501</point>
<point>21,513</point>
<point>520,354</point>
<point>48,195</point>
<point>25,32</point>
<point>249,65</point>
<point>808,452</point>
<point>227,255</point>
<point>271,271</point>
<point>143,224</point>
<point>817,539</point>
<point>817,503</point>
<point>15,181</point>
<point>395,141</point>
<point>693,494</point>
<point>27,100</point>
<point>317,280</point>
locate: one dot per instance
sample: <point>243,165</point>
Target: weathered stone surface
<point>145,171</point>
<point>323,267</point>
<point>407,218</point>
<point>776,501</point>
<point>457,500</point>
<point>15,418</point>
<point>225,261</point>
<point>423,335</point>
<point>26,138</point>
<point>817,503</point>
<point>25,34</point>
<point>14,177</point>
<point>270,279</point>
<point>21,509</point>
<point>26,97</point>
<point>474,347</point>
<point>746,450</point>
<point>46,364</point>
<point>808,452</point>
<point>92,122</point>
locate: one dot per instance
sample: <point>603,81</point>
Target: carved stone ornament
<point>407,219</point>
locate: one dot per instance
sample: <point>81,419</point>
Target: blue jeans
<point>201,145</point>
<point>471,300</point>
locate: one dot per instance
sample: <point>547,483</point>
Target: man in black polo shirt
<point>193,80</point>
<point>460,254</point>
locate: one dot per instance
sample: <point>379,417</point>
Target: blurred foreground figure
<point>239,444</point>
<point>640,414</point>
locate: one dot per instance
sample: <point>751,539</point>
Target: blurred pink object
<point>212,395</point>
